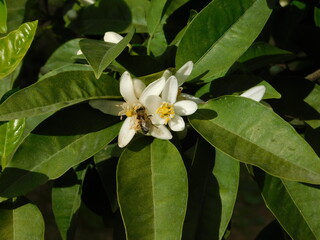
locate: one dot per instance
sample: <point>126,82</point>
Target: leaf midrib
<point>246,140</point>
<point>225,33</point>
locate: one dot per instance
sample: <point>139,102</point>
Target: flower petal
<point>126,88</point>
<point>112,37</point>
<point>107,106</point>
<point>138,87</point>
<point>152,103</point>
<point>177,123</point>
<point>154,88</point>
<point>185,96</point>
<point>167,74</point>
<point>256,93</point>
<point>127,132</point>
<point>185,107</point>
<point>160,132</point>
<point>183,73</point>
<point>170,90</point>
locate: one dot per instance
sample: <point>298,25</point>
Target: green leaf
<point>56,92</point>
<point>10,134</point>
<point>261,49</point>
<point>152,190</point>
<point>16,10</point>
<point>261,54</point>
<point>3,16</point>
<point>63,56</point>
<point>14,46</point>
<point>112,15</point>
<point>235,83</point>
<point>223,39</point>
<point>66,201</point>
<point>20,220</point>
<point>294,204</point>
<point>7,82</point>
<point>154,15</point>
<point>100,54</point>
<point>57,145</point>
<point>252,133</point>
<point>213,186</point>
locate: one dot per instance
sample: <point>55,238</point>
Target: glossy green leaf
<point>20,220</point>
<point>51,154</point>
<point>223,39</point>
<point>10,134</point>
<point>294,204</point>
<point>152,190</point>
<point>213,186</point>
<point>56,92</point>
<point>3,16</point>
<point>66,201</point>
<point>252,133</point>
<point>14,46</point>
<point>63,56</point>
<point>100,54</point>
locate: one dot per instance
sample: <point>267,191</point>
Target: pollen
<point>166,111</point>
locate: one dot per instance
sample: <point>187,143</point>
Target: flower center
<point>166,111</point>
<point>129,110</point>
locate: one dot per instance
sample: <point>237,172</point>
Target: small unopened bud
<point>112,37</point>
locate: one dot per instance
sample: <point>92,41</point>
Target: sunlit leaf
<point>56,92</point>
<point>51,151</point>
<point>10,134</point>
<point>14,46</point>
<point>223,39</point>
<point>253,133</point>
<point>100,54</point>
<point>152,190</point>
<point>3,16</point>
<point>20,220</point>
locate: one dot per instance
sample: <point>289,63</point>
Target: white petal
<point>170,90</point>
<point>185,96</point>
<point>138,87</point>
<point>87,2</point>
<point>256,93</point>
<point>107,106</point>
<point>152,103</point>
<point>79,52</point>
<point>154,88</point>
<point>112,37</point>
<point>177,123</point>
<point>126,88</point>
<point>183,73</point>
<point>166,74</point>
<point>185,107</point>
<point>160,132</point>
<point>127,132</point>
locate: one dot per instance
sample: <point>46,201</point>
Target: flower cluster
<point>151,109</point>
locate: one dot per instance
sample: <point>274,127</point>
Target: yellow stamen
<point>166,111</point>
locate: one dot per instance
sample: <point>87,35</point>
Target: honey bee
<point>144,122</point>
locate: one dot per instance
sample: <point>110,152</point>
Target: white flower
<point>166,109</point>
<point>255,93</point>
<point>182,74</point>
<point>138,118</point>
<point>112,37</point>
